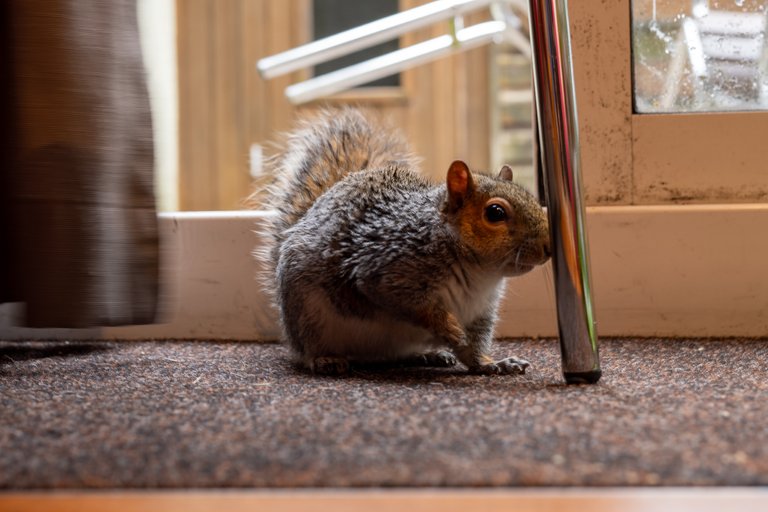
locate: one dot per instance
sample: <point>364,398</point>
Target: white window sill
<point>694,270</point>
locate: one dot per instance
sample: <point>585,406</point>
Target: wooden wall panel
<point>230,173</point>
<point>474,85</point>
<point>225,106</point>
<point>195,60</point>
<point>448,106</point>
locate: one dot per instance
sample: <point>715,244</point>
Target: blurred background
<point>215,116</point>
<point>222,115</point>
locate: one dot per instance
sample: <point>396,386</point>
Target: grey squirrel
<point>369,261</point>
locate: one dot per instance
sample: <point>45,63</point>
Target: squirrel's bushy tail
<point>321,151</point>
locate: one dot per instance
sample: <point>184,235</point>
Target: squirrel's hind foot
<point>328,365</point>
<point>436,359</point>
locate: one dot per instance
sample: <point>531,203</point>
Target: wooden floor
<point>523,500</point>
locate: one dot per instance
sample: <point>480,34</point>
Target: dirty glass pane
<point>699,55</point>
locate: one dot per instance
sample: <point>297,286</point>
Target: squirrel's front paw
<point>508,366</point>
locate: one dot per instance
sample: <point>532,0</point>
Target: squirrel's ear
<point>459,181</point>
<point>506,173</point>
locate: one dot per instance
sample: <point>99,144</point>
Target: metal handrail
<point>507,26</point>
<point>394,62</point>
<point>364,36</point>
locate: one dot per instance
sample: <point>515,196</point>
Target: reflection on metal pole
<point>559,146</point>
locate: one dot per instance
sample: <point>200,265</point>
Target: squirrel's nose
<point>546,248</point>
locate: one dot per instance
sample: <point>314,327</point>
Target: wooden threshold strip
<point>380,500</point>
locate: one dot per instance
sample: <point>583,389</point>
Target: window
<point>698,56</point>
<point>631,158</point>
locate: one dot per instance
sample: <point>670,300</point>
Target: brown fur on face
<point>517,243</point>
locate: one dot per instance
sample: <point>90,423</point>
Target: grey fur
<point>369,261</point>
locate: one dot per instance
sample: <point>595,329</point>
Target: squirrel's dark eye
<point>495,213</point>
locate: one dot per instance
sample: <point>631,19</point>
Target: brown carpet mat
<point>199,414</point>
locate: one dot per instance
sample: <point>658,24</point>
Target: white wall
<point>157,23</point>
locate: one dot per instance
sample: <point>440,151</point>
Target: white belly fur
<point>382,337</point>
<point>469,300</point>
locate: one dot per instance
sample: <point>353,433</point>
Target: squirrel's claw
<point>508,366</point>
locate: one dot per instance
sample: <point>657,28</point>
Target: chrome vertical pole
<point>559,146</point>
